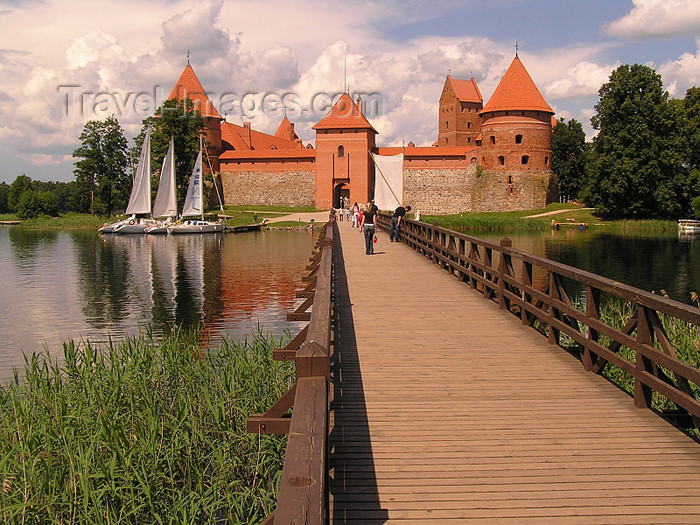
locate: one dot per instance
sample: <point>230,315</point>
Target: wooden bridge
<point>439,385</point>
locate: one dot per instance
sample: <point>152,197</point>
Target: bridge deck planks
<point>445,408</point>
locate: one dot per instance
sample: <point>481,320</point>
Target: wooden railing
<point>302,494</point>
<point>640,349</point>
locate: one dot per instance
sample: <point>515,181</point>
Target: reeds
<point>144,431</point>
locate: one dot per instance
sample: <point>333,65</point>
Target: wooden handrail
<point>655,366</point>
<point>302,494</point>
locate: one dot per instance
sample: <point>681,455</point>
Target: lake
<point>652,262</point>
<point>62,285</point>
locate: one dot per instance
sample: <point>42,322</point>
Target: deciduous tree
<point>636,169</point>
<point>569,157</point>
<point>101,173</point>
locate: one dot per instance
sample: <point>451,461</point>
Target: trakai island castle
<point>486,158</point>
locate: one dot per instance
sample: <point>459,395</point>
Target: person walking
<point>355,216</point>
<point>395,229</point>
<point>367,225</point>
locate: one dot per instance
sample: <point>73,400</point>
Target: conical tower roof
<point>286,130</point>
<point>188,85</point>
<point>517,92</point>
<point>344,114</point>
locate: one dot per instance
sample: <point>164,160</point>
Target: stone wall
<point>455,190</point>
<point>439,190</point>
<point>278,188</point>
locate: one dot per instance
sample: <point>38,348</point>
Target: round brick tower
<point>516,130</point>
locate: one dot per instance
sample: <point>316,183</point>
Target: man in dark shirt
<point>395,229</point>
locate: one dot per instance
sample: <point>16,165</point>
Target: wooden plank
<point>444,408</point>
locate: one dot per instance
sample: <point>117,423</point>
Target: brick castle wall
<point>274,188</point>
<point>455,190</point>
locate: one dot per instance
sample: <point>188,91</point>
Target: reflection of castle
<point>486,158</point>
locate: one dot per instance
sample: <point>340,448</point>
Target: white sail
<point>140,199</point>
<point>165,204</point>
<point>193,201</point>
<point>388,189</point>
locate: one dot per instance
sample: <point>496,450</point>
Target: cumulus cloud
<point>681,74</point>
<point>580,80</point>
<point>657,18</point>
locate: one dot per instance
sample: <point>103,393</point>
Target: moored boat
<point>689,225</point>
<point>194,206</point>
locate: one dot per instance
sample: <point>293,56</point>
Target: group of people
<point>365,220</point>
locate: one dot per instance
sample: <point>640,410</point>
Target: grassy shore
<point>569,215</point>
<point>144,431</point>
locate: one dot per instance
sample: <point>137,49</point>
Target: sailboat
<point>194,205</point>
<point>139,206</point>
<point>165,205</point>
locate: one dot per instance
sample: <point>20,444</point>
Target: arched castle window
<point>469,125</point>
<point>525,159</point>
<point>473,160</point>
<point>518,139</point>
<point>510,179</point>
<point>493,139</point>
<point>501,160</point>
<point>273,147</point>
<point>341,151</point>
<point>546,161</point>
<point>469,140</point>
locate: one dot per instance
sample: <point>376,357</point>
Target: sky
<point>63,63</point>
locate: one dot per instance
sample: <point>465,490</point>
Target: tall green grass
<point>144,431</point>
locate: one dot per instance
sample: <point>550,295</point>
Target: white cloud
<point>582,79</point>
<point>657,18</point>
<point>681,74</point>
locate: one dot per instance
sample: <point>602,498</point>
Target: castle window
<point>473,160</point>
<point>273,147</point>
<point>510,179</point>
<point>493,139</point>
<point>525,159</point>
<point>501,160</point>
<point>447,125</point>
<point>507,113</point>
<point>483,160</point>
<point>469,140</point>
<point>469,125</point>
<point>511,190</point>
<point>546,161</point>
<point>341,151</point>
<point>518,139</point>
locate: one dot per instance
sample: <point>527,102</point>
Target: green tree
<point>4,192</point>
<point>636,167</point>
<point>29,206</point>
<point>569,157</point>
<point>101,173</point>
<point>184,125</point>
<point>21,184</point>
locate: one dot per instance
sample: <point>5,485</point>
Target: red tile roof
<point>188,85</point>
<point>242,138</point>
<point>427,151</point>
<point>286,130</point>
<point>466,90</point>
<point>302,153</point>
<point>344,114</point>
<point>516,92</point>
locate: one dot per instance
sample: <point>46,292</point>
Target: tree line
<point>645,159</point>
<point>104,166</point>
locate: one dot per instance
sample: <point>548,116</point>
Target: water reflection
<point>73,285</point>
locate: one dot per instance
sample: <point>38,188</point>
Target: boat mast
<point>201,181</point>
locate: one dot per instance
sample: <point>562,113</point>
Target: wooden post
<point>642,393</point>
<point>524,297</point>
<point>592,312</point>
<point>503,271</point>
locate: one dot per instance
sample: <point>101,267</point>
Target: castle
<point>486,158</point>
